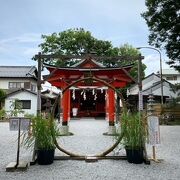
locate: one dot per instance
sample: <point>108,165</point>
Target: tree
<point>128,50</point>
<point>74,42</point>
<point>79,41</point>
<point>163,20</point>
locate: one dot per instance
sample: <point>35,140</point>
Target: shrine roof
<point>87,64</point>
<point>86,61</point>
<point>48,66</point>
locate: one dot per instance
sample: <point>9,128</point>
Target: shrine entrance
<point>103,154</point>
<point>88,95</point>
<point>80,85</point>
<point>88,103</point>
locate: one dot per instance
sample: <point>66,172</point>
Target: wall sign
<point>14,123</point>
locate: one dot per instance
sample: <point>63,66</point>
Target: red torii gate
<point>117,77</point>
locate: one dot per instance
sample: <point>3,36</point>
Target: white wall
<point>171,73</point>
<point>146,83</point>
<point>173,81</point>
<point>4,82</point>
<point>22,95</point>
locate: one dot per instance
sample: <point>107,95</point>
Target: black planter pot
<point>135,155</point>
<point>45,157</point>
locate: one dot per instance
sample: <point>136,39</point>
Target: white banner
<point>154,130</point>
<point>140,101</point>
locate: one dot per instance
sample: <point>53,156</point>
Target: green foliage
<point>2,95</point>
<point>128,50</point>
<point>78,41</point>
<point>175,101</point>
<point>43,133</point>
<point>2,114</point>
<point>134,130</point>
<point>163,20</point>
<point>73,42</point>
<point>16,108</point>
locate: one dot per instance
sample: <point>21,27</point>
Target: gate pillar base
<point>118,129</point>
<point>111,131</point>
<point>64,131</point>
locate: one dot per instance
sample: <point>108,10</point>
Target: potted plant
<point>134,137</point>
<point>43,132</point>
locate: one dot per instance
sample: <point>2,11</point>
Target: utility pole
<point>160,61</point>
<point>39,85</point>
<point>140,105</point>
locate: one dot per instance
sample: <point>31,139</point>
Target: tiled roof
<point>18,71</point>
<point>14,91</point>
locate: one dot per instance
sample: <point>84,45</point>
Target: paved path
<point>88,139</point>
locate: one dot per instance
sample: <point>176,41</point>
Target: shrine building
<point>89,97</point>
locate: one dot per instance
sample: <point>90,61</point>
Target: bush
<point>2,114</point>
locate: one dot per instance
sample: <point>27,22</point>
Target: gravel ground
<point>88,139</point>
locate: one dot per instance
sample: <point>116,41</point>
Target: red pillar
<point>69,104</point>
<point>107,105</point>
<point>66,107</point>
<point>111,106</point>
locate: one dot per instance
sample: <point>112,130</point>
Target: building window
<point>14,85</point>
<point>27,85</point>
<point>33,87</point>
<point>23,104</point>
<point>171,78</point>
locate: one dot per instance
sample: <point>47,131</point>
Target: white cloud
<point>19,49</point>
<point>24,38</point>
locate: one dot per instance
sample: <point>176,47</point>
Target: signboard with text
<point>140,101</point>
<point>154,130</point>
<point>14,123</point>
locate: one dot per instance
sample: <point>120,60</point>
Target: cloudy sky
<point>24,21</point>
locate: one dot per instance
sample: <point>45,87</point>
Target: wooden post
<point>154,152</point>
<point>18,148</point>
<point>39,85</point>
